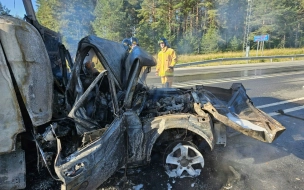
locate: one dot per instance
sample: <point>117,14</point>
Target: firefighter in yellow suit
<point>166,60</point>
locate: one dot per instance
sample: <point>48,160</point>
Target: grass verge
<point>270,52</point>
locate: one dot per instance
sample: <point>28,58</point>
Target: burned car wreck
<point>86,125</point>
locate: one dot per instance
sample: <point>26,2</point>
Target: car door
<point>92,92</point>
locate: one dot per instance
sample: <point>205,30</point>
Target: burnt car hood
<point>234,108</point>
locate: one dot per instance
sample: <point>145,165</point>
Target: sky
<point>16,7</point>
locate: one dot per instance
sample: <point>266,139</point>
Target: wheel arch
<point>201,126</point>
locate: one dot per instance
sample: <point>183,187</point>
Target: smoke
<point>221,27</point>
<point>259,164</point>
<point>75,22</point>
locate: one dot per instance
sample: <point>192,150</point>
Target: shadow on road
<point>240,164</point>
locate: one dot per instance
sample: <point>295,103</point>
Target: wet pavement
<point>228,71</point>
<point>244,163</point>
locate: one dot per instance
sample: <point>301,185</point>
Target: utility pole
<point>246,44</point>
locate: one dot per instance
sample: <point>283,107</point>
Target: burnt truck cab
<point>102,117</point>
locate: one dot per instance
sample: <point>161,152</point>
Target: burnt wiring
<point>43,158</point>
<point>97,87</point>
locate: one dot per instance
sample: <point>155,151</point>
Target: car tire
<point>183,159</point>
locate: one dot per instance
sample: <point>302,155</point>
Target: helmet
<point>126,42</point>
<point>134,41</point>
<point>163,40</point>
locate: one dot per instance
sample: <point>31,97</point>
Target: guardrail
<point>238,59</point>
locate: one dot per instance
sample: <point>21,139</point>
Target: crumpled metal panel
<point>144,60</point>
<point>12,172</point>
<point>90,166</point>
<point>201,125</point>
<point>113,53</point>
<point>234,109</point>
<point>28,58</point>
<point>11,122</point>
<point>135,135</point>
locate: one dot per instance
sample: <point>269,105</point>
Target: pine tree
<point>271,19</point>
<point>46,14</point>
<point>4,10</point>
<point>149,27</point>
<point>75,18</point>
<point>210,41</point>
<point>191,26</point>
<point>231,18</point>
<point>110,19</point>
<point>234,44</point>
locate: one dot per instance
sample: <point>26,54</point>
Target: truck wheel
<point>182,159</point>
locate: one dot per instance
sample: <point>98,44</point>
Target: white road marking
<point>286,110</point>
<point>279,103</point>
<point>214,81</point>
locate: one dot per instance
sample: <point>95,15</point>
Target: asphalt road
<point>187,74</point>
<point>244,163</point>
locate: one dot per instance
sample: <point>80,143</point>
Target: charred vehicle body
<point>84,126</point>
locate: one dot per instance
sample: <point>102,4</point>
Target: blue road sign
<point>261,38</point>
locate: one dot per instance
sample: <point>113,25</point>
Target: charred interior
<point>168,101</point>
<point>88,118</point>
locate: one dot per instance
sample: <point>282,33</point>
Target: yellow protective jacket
<point>166,58</point>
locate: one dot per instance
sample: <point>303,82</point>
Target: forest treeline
<point>191,26</point>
